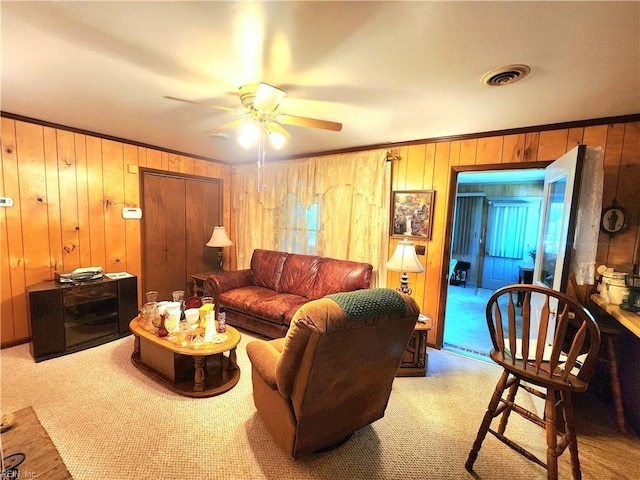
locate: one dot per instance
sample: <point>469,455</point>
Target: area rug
<point>28,452</point>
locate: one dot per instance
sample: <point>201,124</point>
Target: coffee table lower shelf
<point>189,372</point>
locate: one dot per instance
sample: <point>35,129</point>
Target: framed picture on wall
<point>412,213</point>
<point>613,220</point>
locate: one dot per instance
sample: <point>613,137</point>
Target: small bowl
<point>192,315</point>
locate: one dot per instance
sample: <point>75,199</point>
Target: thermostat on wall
<point>135,213</point>
<point>6,202</point>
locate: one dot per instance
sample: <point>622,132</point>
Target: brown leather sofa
<point>264,298</point>
<point>333,372</point>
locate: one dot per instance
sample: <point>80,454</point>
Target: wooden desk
<point>629,319</point>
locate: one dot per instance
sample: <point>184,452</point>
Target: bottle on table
<point>222,319</point>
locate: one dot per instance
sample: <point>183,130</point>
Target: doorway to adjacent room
<point>495,229</point>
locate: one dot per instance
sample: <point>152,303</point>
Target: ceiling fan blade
<point>268,97</point>
<point>276,128</point>
<point>308,122</point>
<point>217,107</point>
<point>226,126</point>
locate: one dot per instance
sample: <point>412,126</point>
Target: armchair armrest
<point>218,283</point>
<point>264,358</point>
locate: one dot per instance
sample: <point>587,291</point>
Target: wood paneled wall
<point>69,190</point>
<point>431,166</point>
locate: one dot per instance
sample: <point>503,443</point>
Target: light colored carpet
<point>465,321</point>
<point>109,421</point>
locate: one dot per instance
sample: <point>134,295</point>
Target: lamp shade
<point>404,259</point>
<point>219,238</point>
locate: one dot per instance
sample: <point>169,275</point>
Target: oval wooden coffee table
<point>194,371</point>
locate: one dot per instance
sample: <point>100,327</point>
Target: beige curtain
<point>348,192</point>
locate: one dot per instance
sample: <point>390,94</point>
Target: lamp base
<point>404,284</point>
<point>219,262</point>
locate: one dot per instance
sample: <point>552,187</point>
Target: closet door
<point>203,212</point>
<point>179,213</point>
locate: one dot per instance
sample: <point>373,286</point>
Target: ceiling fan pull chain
<point>261,155</point>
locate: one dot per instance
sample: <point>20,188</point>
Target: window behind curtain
<point>334,206</point>
<point>300,226</point>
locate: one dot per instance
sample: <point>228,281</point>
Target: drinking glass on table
<point>177,295</point>
<point>152,296</point>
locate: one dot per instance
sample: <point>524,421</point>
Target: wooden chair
<point>551,372</point>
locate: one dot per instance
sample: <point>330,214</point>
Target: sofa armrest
<point>218,283</point>
<point>264,358</point>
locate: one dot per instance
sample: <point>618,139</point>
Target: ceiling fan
<point>260,102</point>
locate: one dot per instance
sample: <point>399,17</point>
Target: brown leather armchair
<point>332,373</point>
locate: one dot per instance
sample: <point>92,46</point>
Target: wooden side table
<point>414,361</point>
<point>199,284</point>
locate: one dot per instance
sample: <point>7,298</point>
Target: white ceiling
<point>389,71</point>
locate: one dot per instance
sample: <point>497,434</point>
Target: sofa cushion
<point>340,276</point>
<point>274,307</point>
<point>267,268</point>
<point>299,274</point>
<point>242,298</point>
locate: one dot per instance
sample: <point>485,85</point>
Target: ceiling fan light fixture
<point>249,135</point>
<point>267,97</point>
<point>277,140</point>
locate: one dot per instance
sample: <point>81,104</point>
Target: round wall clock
<point>613,219</point>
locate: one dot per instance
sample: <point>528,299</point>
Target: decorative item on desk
<point>405,260</point>
<point>631,302</point>
<point>219,239</point>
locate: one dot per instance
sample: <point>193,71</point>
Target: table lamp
<point>404,260</point>
<point>219,239</point>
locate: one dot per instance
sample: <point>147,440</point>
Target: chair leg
<point>511,398</point>
<point>486,421</point>
<point>615,384</point>
<point>552,435</point>
<point>570,432</point>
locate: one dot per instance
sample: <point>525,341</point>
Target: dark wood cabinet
<point>68,317</point>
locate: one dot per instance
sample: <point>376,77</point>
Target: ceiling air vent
<point>505,75</point>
